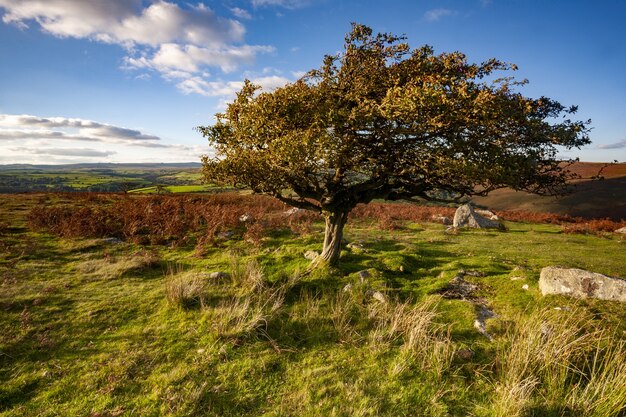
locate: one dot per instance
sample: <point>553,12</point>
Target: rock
<point>621,230</point>
<point>379,296</point>
<point>487,214</point>
<point>112,240</point>
<point>219,275</point>
<point>525,287</point>
<point>311,255</point>
<point>441,219</point>
<point>244,218</point>
<point>347,288</point>
<point>226,235</point>
<point>292,211</point>
<point>516,278</point>
<point>465,216</point>
<point>482,314</point>
<point>356,245</point>
<point>581,284</point>
<point>363,275</point>
<point>464,354</point>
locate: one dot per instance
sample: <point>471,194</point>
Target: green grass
<point>97,329</point>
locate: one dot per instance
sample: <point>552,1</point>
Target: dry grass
<point>554,357</point>
<point>185,289</point>
<point>110,267</point>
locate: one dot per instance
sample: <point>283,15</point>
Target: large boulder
<point>621,230</point>
<point>581,284</point>
<point>466,216</point>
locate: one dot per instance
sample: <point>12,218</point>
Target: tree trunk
<point>333,234</point>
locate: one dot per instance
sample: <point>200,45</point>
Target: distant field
<point>99,177</point>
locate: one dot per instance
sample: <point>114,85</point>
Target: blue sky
<point>127,80</point>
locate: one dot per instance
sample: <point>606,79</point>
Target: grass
<point>97,328</point>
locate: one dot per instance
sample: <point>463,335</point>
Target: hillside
<point>590,199</point>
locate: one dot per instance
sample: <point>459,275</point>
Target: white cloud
<point>177,59</point>
<point>287,4</point>
<point>436,14</point>
<point>125,21</point>
<point>179,42</point>
<point>241,13</point>
<point>227,89</point>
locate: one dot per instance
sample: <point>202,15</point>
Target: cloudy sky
<point>128,80</point>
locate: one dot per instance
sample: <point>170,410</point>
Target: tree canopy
<point>383,121</point>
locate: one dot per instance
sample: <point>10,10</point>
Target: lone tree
<point>382,121</point>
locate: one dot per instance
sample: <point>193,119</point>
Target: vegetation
<point>382,121</point>
<point>143,178</point>
<point>106,327</point>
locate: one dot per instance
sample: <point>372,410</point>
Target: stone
<point>363,275</point>
<point>464,354</point>
<point>442,219</point>
<point>487,214</point>
<point>292,211</point>
<point>347,288</point>
<point>226,235</point>
<point>112,240</point>
<point>244,218</point>
<point>581,284</point>
<point>311,255</point>
<point>525,287</point>
<point>355,246</point>
<point>516,278</point>
<point>219,275</point>
<point>621,230</point>
<point>480,323</point>
<point>466,216</point>
<point>379,296</point>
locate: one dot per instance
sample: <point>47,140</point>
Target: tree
<point>382,121</point>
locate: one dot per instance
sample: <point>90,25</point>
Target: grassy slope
<point>87,330</point>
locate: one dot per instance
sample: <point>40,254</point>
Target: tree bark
<point>333,234</point>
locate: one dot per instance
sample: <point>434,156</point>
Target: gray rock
<point>581,284</point>
<point>466,216</point>
<point>364,274</point>
<point>379,296</point>
<point>516,278</point>
<point>441,219</point>
<point>480,323</point>
<point>487,214</point>
<point>355,246</point>
<point>219,275</point>
<point>112,241</point>
<point>226,235</point>
<point>311,255</point>
<point>621,230</point>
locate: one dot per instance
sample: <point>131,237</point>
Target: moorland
<point>202,304</point>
